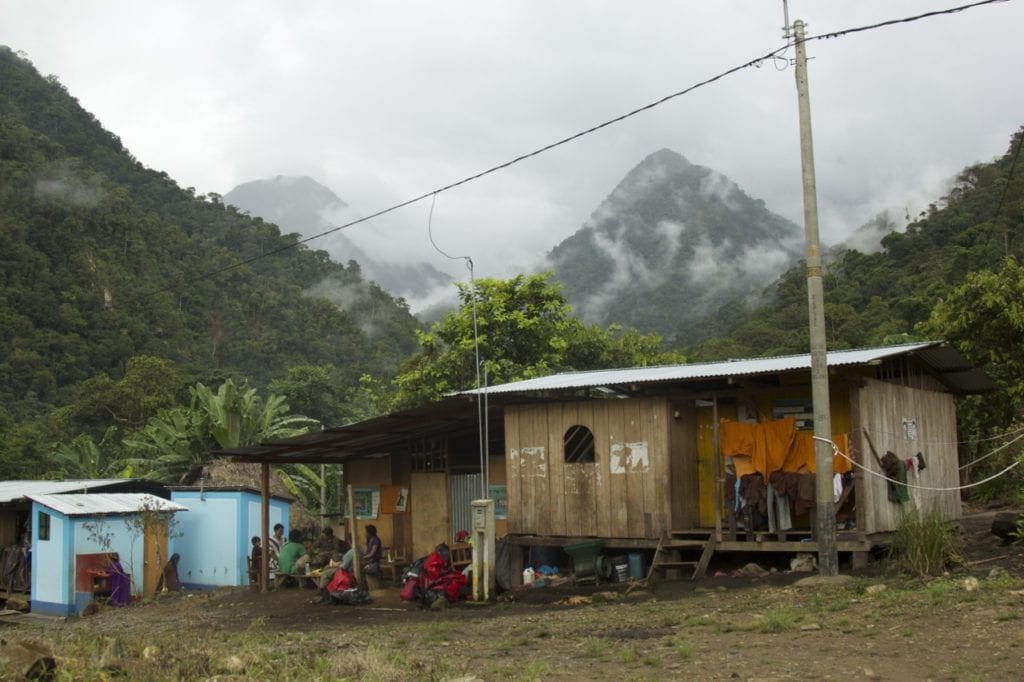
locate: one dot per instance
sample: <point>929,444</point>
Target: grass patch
<point>924,544</point>
<point>535,670</point>
<point>593,647</point>
<point>779,620</point>
<point>683,649</point>
<point>627,655</point>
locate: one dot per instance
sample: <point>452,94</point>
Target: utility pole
<point>828,558</point>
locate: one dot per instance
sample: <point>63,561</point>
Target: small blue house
<point>213,539</point>
<point>74,534</point>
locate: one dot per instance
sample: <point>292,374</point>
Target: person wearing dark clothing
<point>169,577</point>
<point>255,560</point>
<point>374,551</point>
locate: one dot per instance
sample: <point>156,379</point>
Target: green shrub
<point>924,544</point>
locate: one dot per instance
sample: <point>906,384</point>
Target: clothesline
<point>837,451</point>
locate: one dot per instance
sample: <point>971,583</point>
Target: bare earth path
<point>968,625</point>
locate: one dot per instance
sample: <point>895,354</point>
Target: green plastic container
<point>584,558</point>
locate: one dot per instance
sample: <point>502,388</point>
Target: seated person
<point>374,552</point>
<point>293,557</point>
<point>337,562</point>
<point>325,548</point>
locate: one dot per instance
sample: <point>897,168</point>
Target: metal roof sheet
<point>91,504</point>
<point>954,370</point>
<point>16,490</point>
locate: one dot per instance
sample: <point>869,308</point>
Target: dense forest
<point>121,290</point>
<point>142,325</point>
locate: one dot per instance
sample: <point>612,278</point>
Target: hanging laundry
<point>895,470</point>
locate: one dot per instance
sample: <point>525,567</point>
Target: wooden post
<point>357,563</point>
<point>264,524</point>
<point>719,470</point>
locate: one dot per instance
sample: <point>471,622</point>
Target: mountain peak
<point>677,233</point>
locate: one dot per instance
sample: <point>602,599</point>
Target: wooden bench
<point>394,566</point>
<point>301,579</point>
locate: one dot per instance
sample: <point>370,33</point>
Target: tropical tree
<point>182,437</point>
<point>520,328</point>
<point>984,319</point>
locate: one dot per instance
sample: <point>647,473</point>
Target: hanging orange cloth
<point>774,441</point>
<point>736,438</point>
<point>801,456</point>
<point>766,443</point>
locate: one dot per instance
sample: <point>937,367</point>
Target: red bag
<point>408,592</point>
<point>342,580</point>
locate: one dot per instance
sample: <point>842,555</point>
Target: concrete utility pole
<point>828,558</point>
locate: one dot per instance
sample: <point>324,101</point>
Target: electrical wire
<point>905,20</point>
<point>756,61</point>
<point>481,405</point>
<point>994,451</point>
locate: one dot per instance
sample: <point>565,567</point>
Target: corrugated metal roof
<point>92,504</point>
<point>954,370</point>
<point>16,490</point>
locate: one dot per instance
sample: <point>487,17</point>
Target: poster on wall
<point>800,410</point>
<point>367,502</point>
<point>403,500</point>
<point>499,493</point>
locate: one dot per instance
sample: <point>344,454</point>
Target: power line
<point>905,20</point>
<point>757,61</point>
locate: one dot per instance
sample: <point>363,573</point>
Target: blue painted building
<point>213,539</point>
<point>74,534</point>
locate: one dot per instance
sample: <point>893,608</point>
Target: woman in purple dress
<point>120,584</point>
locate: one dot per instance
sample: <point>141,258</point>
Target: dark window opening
<point>44,526</point>
<point>579,445</point>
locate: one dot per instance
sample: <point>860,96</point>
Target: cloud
<point>385,101</point>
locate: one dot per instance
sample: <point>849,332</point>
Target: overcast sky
<point>383,101</point>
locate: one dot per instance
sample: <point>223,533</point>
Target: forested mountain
<point>302,205</point>
<point>672,243</point>
<point>104,261</point>
<point>881,297</point>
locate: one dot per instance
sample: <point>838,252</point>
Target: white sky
<point>383,100</point>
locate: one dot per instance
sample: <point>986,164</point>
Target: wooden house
<point>634,457</point>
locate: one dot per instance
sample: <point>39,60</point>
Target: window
<point>579,445</point>
<point>44,525</point>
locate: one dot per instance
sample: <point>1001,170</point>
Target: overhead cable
<point>756,61</point>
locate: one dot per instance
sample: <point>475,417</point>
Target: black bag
<point>351,596</point>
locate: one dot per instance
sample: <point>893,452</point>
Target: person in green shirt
<point>293,557</point>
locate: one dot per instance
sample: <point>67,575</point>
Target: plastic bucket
<point>636,565</point>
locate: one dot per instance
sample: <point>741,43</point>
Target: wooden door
<point>428,503</point>
<point>707,476</point>
<point>154,554</point>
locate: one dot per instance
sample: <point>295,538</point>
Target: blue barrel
<point>636,565</point>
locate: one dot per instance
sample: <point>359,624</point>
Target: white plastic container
<point>528,576</point>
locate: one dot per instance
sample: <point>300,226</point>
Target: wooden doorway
<point>154,554</point>
<point>431,521</point>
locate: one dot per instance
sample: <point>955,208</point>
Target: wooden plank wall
<point>882,408</point>
<point>626,493</point>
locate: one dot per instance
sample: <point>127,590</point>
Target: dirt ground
<point>872,624</point>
